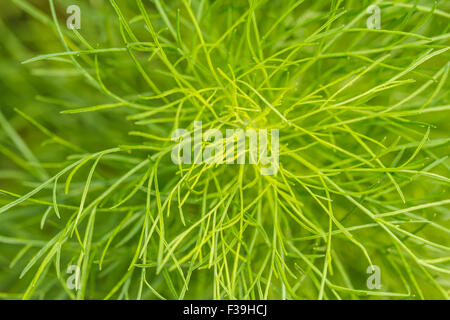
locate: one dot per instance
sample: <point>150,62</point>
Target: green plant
<point>86,175</point>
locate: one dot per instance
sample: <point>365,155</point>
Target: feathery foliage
<point>86,176</point>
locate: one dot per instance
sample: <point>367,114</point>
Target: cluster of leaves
<point>86,176</point>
